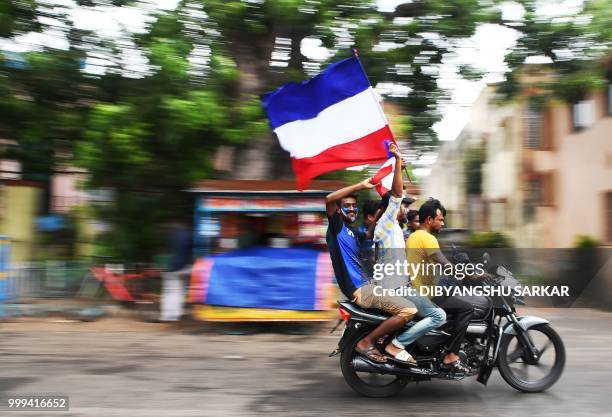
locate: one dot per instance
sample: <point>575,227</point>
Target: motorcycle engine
<point>471,354</point>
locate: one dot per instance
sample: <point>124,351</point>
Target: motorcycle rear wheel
<point>367,384</point>
<point>515,372</point>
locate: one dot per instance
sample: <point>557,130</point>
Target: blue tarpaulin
<point>261,277</point>
<point>5,247</point>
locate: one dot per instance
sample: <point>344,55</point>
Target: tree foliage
<point>149,133</point>
<point>573,47</point>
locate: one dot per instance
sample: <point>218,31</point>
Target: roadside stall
<point>260,252</point>
<point>5,247</point>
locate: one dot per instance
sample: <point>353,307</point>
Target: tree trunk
<point>262,158</point>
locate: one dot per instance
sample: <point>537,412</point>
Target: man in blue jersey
<point>344,250</point>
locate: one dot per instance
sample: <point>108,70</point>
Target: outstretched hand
<point>367,183</point>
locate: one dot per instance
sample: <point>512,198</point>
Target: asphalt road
<point>114,368</point>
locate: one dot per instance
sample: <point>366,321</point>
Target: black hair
<point>430,208</point>
<point>383,204</point>
<point>411,215</point>
<point>339,201</point>
<point>370,207</point>
<point>384,201</point>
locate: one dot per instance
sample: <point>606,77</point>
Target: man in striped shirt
<point>391,248</point>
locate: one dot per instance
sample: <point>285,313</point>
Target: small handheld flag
<point>383,179</point>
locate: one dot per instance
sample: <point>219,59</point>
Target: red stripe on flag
<point>369,149</point>
<point>384,177</point>
<point>381,189</point>
<point>382,173</point>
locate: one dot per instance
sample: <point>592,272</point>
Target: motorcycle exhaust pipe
<point>364,365</point>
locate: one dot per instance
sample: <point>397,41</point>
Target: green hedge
<point>489,240</point>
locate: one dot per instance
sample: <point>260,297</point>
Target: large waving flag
<point>330,122</point>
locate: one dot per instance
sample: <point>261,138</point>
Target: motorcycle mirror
<point>486,257</point>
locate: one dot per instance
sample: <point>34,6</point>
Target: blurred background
<point>123,120</point>
<point>139,177</point>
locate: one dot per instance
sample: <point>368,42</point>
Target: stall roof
<point>262,186</point>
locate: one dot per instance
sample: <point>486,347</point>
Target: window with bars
<point>533,126</point>
<point>608,214</point>
<point>539,191</point>
<point>533,195</point>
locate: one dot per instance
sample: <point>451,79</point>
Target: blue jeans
<point>432,318</point>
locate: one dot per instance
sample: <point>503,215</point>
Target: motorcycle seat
<point>374,315</point>
<point>369,314</point>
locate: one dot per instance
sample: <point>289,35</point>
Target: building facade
<point>539,171</point>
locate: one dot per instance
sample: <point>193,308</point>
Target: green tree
<point>150,139</point>
<point>43,93</point>
<point>150,135</point>
<point>404,46</point>
<point>574,45</point>
<point>18,16</point>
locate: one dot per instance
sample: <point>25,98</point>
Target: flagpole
<point>382,113</point>
<point>407,174</point>
<point>356,55</point>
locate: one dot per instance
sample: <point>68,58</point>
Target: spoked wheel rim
<point>534,371</point>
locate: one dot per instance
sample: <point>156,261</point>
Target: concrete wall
<point>582,166</point>
<point>578,165</point>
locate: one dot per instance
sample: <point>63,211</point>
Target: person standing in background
<point>412,224</point>
<point>174,280</point>
<point>403,217</point>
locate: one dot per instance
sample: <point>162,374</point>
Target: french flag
<point>384,177</point>
<point>330,122</point>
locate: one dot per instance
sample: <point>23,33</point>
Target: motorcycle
<point>526,350</point>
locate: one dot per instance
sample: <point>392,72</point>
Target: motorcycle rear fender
<point>351,327</point>
<point>526,322</point>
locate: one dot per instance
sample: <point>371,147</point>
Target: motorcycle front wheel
<point>365,383</point>
<point>535,375</point>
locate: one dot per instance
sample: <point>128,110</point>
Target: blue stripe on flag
<point>306,100</point>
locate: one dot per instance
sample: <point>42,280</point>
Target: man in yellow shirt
<point>423,250</point>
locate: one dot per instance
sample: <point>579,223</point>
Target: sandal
<point>457,366</point>
<point>402,357</point>
<point>372,353</point>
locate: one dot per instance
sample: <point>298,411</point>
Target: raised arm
<point>330,200</point>
<point>397,188</point>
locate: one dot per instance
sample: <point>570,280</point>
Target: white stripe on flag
<point>384,183</point>
<point>340,123</point>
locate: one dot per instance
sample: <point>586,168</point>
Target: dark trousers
<point>462,313</point>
